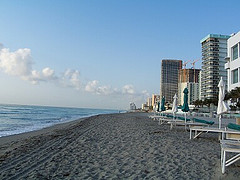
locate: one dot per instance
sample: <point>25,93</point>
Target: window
<point>235,52</point>
<point>234,76</point>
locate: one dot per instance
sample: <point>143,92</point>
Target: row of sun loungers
<point>230,135</point>
<point>180,121</point>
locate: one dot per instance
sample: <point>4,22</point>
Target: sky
<point>100,54</point>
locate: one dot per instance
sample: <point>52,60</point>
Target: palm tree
<point>234,96</point>
<point>196,103</point>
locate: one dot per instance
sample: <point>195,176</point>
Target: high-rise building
<point>199,85</point>
<point>233,61</point>
<point>132,106</point>
<point>214,51</point>
<point>149,102</point>
<point>188,78</point>
<point>155,98</point>
<point>189,75</point>
<point>169,78</point>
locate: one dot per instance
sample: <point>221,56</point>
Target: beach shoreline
<point>112,146</point>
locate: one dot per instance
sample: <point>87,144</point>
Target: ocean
<point>16,119</point>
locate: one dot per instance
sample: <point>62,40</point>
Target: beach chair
<point>166,119</point>
<point>183,118</point>
<point>193,122</point>
<point>203,121</point>
<point>161,118</point>
<point>204,128</point>
<point>226,132</point>
<point>231,144</point>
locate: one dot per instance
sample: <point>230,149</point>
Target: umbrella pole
<point>185,120</point>
<point>172,120</point>
<point>220,121</point>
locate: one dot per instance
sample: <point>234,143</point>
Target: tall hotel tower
<point>214,51</point>
<point>169,78</point>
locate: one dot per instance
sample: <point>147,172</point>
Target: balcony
<point>227,65</point>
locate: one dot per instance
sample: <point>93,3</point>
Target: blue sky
<point>100,54</point>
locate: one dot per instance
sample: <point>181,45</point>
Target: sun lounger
<point>190,124</point>
<point>224,131</point>
<point>232,132</point>
<point>199,130</point>
<point>161,118</point>
<point>203,121</point>
<point>232,147</point>
<point>230,144</point>
<point>230,141</point>
<point>234,126</point>
<point>193,122</point>
<point>183,118</point>
<point>166,119</point>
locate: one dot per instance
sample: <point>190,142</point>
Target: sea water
<point>16,119</point>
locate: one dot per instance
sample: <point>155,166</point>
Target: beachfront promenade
<point>114,146</point>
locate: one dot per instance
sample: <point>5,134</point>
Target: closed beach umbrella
<point>174,106</point>
<point>222,106</point>
<point>163,104</point>
<point>158,106</point>
<point>185,107</point>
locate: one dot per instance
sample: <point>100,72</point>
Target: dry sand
<point>114,146</point>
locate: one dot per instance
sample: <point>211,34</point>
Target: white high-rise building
<point>149,102</point>
<point>214,51</point>
<point>233,61</point>
<point>155,99</point>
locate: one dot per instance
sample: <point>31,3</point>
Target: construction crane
<point>185,63</point>
<point>193,63</point>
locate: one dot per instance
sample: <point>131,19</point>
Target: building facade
<point>149,102</point>
<point>193,92</point>
<point>169,78</point>
<point>199,85</point>
<point>189,75</point>
<point>214,51</point>
<point>188,78</point>
<point>132,106</point>
<point>233,61</point>
<point>155,99</point>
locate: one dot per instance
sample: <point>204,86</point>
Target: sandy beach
<point>112,146</point>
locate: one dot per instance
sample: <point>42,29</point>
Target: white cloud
<point>20,63</point>
<point>71,78</point>
<point>105,90</point>
<point>128,89</point>
<point>91,86</point>
<point>48,73</point>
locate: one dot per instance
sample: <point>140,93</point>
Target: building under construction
<point>189,75</point>
<point>169,78</point>
<point>188,78</point>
